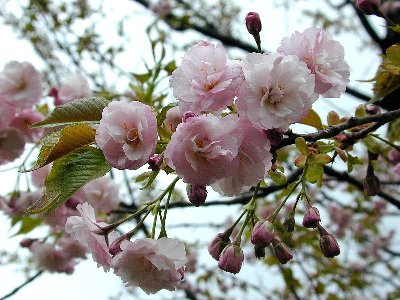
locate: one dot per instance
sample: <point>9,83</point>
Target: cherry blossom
<point>250,165</point>
<point>102,194</point>
<point>323,56</point>
<point>75,87</point>
<point>20,84</point>
<point>203,148</point>
<point>12,144</point>
<point>277,91</point>
<point>81,229</point>
<point>23,121</point>
<point>150,264</point>
<point>206,79</point>
<point>127,134</point>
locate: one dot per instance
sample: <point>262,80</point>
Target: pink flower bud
<point>253,23</point>
<point>72,203</point>
<point>328,243</point>
<point>282,252</point>
<point>397,169</point>
<point>372,109</point>
<point>155,162</point>
<point>394,156</point>
<point>26,243</point>
<point>231,259</point>
<point>187,115</point>
<point>115,246</point>
<point>368,7</point>
<point>197,194</point>
<point>371,185</point>
<point>289,223</point>
<point>311,218</point>
<point>262,234</point>
<point>218,243</point>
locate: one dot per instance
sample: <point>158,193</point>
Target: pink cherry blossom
<point>127,134</point>
<point>203,148</point>
<point>206,79</point>
<point>250,165</point>
<point>71,247</point>
<point>57,219</point>
<point>16,203</point>
<point>75,87</point>
<point>323,56</point>
<point>278,90</point>
<point>102,194</point>
<point>20,84</point>
<point>81,229</point>
<point>150,264</point>
<point>162,7</point>
<point>173,118</point>
<point>12,145</point>
<point>23,121</point>
<point>48,258</point>
<point>7,112</point>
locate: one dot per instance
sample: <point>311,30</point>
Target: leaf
<point>312,119</point>
<point>86,110</point>
<point>323,159</point>
<point>277,177</point>
<point>395,28</point>
<point>142,78</point>
<point>68,175</point>
<point>28,224</point>
<point>314,172</point>
<point>150,179</point>
<point>392,60</point>
<point>351,161</point>
<point>62,142</point>
<point>301,145</point>
<point>372,145</point>
<point>162,115</point>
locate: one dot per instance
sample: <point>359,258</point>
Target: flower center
<point>272,95</point>
<point>132,136</point>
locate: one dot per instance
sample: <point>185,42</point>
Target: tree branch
<point>29,280</point>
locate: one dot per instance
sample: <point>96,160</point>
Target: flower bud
<point>155,162</point>
<point>218,243</point>
<point>394,155</point>
<point>311,218</point>
<point>262,234</point>
<point>253,23</point>
<point>187,115</point>
<point>328,243</point>
<point>231,259</point>
<point>282,252</point>
<point>372,109</point>
<point>115,246</point>
<point>289,223</point>
<point>371,185</point>
<point>259,252</point>
<point>72,203</point>
<point>368,7</point>
<point>26,243</point>
<point>197,194</point>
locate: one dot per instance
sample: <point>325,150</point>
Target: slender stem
<point>385,141</point>
<point>278,209</point>
<point>29,280</point>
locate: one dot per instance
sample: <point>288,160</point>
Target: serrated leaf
<point>150,179</point>
<point>385,83</point>
<point>86,110</point>
<point>300,161</point>
<point>314,172</point>
<point>312,119</point>
<point>323,159</point>
<point>143,176</point>
<point>392,60</point>
<point>62,142</point>
<point>68,175</point>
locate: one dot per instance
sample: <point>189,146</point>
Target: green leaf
<point>170,67</point>
<point>385,83</point>
<point>142,78</point>
<point>86,110</point>
<point>301,145</point>
<point>312,119</point>
<point>62,142</point>
<point>392,60</point>
<point>150,179</point>
<point>372,145</point>
<point>68,175</point>
<point>314,172</point>
<point>323,159</point>
<point>28,224</point>
<point>351,161</point>
<point>162,115</point>
<point>277,177</point>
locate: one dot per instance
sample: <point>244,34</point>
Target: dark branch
<point>345,177</point>
<point>29,280</point>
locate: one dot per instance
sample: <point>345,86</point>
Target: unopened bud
<point>253,23</point>
<point>262,234</point>
<point>218,243</point>
<point>328,243</point>
<point>115,246</point>
<point>371,185</point>
<point>72,203</point>
<point>26,243</point>
<point>311,217</point>
<point>155,162</point>
<point>282,252</point>
<point>197,194</point>
<point>368,7</point>
<point>289,223</point>
<point>372,109</point>
<point>394,156</point>
<point>231,259</point>
<point>187,115</point>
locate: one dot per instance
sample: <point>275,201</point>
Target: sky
<point>88,282</point>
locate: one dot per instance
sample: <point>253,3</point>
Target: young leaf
<point>68,175</point>
<point>62,142</point>
<point>301,145</point>
<point>86,110</point>
<point>312,119</point>
<point>28,224</point>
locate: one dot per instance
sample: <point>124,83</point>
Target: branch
<point>345,177</point>
<point>335,130</point>
<point>29,280</point>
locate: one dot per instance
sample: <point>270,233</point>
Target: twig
<point>29,280</point>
